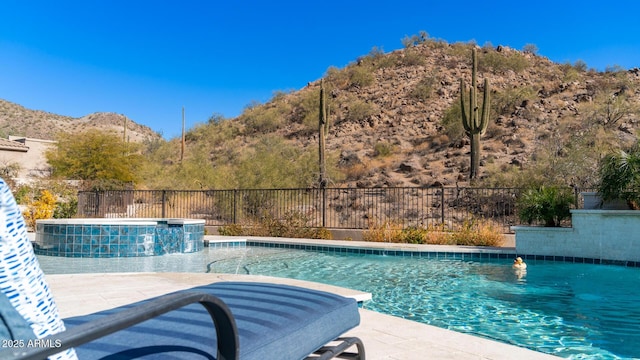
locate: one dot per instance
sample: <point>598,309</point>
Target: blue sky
<point>148,59</point>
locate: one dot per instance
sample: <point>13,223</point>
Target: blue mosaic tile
<point>82,240</point>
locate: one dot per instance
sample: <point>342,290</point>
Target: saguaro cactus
<point>475,124</point>
<point>322,128</point>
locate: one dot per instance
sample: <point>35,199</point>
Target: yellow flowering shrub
<point>40,208</point>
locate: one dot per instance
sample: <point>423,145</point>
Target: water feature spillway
<point>118,237</point>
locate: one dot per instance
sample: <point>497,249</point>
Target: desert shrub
<point>424,88</point>
<point>260,119</point>
<point>293,224</point>
<point>40,208</point>
<point>609,109</point>
<point>356,172</point>
<point>474,232</point>
<point>414,40</point>
<point>580,65</point>
<point>66,209</point>
<point>530,49</point>
<point>377,59</point>
<point>22,195</point>
<point>231,230</point>
<point>438,234</point>
<point>359,111</point>
<point>380,60</point>
<point>387,231</point>
<point>354,75</point>
<point>412,58</point>
<point>458,50</point>
<point>261,167</point>
<point>505,102</point>
<point>414,235</point>
<point>307,108</point>
<point>502,62</point>
<point>382,149</point>
<point>338,78</point>
<point>215,131</point>
<point>8,171</point>
<point>452,122</point>
<point>547,204</point>
<point>573,72</point>
<point>360,76</point>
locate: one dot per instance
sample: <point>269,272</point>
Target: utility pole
<point>182,151</point>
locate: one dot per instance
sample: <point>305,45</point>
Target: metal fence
<point>341,208</point>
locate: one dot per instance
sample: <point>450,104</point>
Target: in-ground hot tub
<point>118,237</point>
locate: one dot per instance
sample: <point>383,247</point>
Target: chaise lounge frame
<point>226,330</point>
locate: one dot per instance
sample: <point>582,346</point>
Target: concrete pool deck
<point>385,337</point>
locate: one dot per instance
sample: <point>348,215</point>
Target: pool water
<point>574,311</point>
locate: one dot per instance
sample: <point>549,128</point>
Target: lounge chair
<point>222,321</point>
<point>250,321</point>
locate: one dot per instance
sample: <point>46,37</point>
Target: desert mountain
<point>395,117</point>
<point>394,120</point>
<point>19,121</point>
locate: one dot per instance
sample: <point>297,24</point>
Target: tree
<point>612,101</point>
<point>101,160</point>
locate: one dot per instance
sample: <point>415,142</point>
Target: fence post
<point>96,212</point>
<point>164,203</point>
<point>324,207</point>
<point>442,205</point>
<point>235,205</point>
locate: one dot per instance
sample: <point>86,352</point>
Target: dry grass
<point>387,231</point>
<point>472,232</point>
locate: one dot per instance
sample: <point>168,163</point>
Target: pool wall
<point>604,235</point>
<point>118,237</point>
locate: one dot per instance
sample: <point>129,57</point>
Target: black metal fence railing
<point>346,208</point>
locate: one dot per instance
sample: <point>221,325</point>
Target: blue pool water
<point>574,311</point>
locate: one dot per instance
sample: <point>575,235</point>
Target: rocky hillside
<point>395,117</point>
<point>19,121</point>
<point>395,121</point>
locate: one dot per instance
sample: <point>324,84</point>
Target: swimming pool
<point>570,310</point>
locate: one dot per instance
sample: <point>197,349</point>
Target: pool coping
<point>355,246</point>
<point>452,252</point>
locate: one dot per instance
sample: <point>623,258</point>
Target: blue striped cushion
<point>21,279</point>
<point>12,325</point>
<point>275,322</point>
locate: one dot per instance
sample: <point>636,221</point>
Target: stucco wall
<point>596,234</point>
<point>33,163</point>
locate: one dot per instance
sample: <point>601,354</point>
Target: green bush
<point>547,204</point>
<point>359,111</point>
<point>360,76</point>
<point>382,149</point>
<point>452,122</point>
<point>307,109</point>
<point>412,58</point>
<point>619,176</point>
<point>424,88</point>
<point>414,235</point>
<point>502,62</point>
<point>267,118</point>
<point>67,209</point>
<point>505,102</point>
<point>377,59</point>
